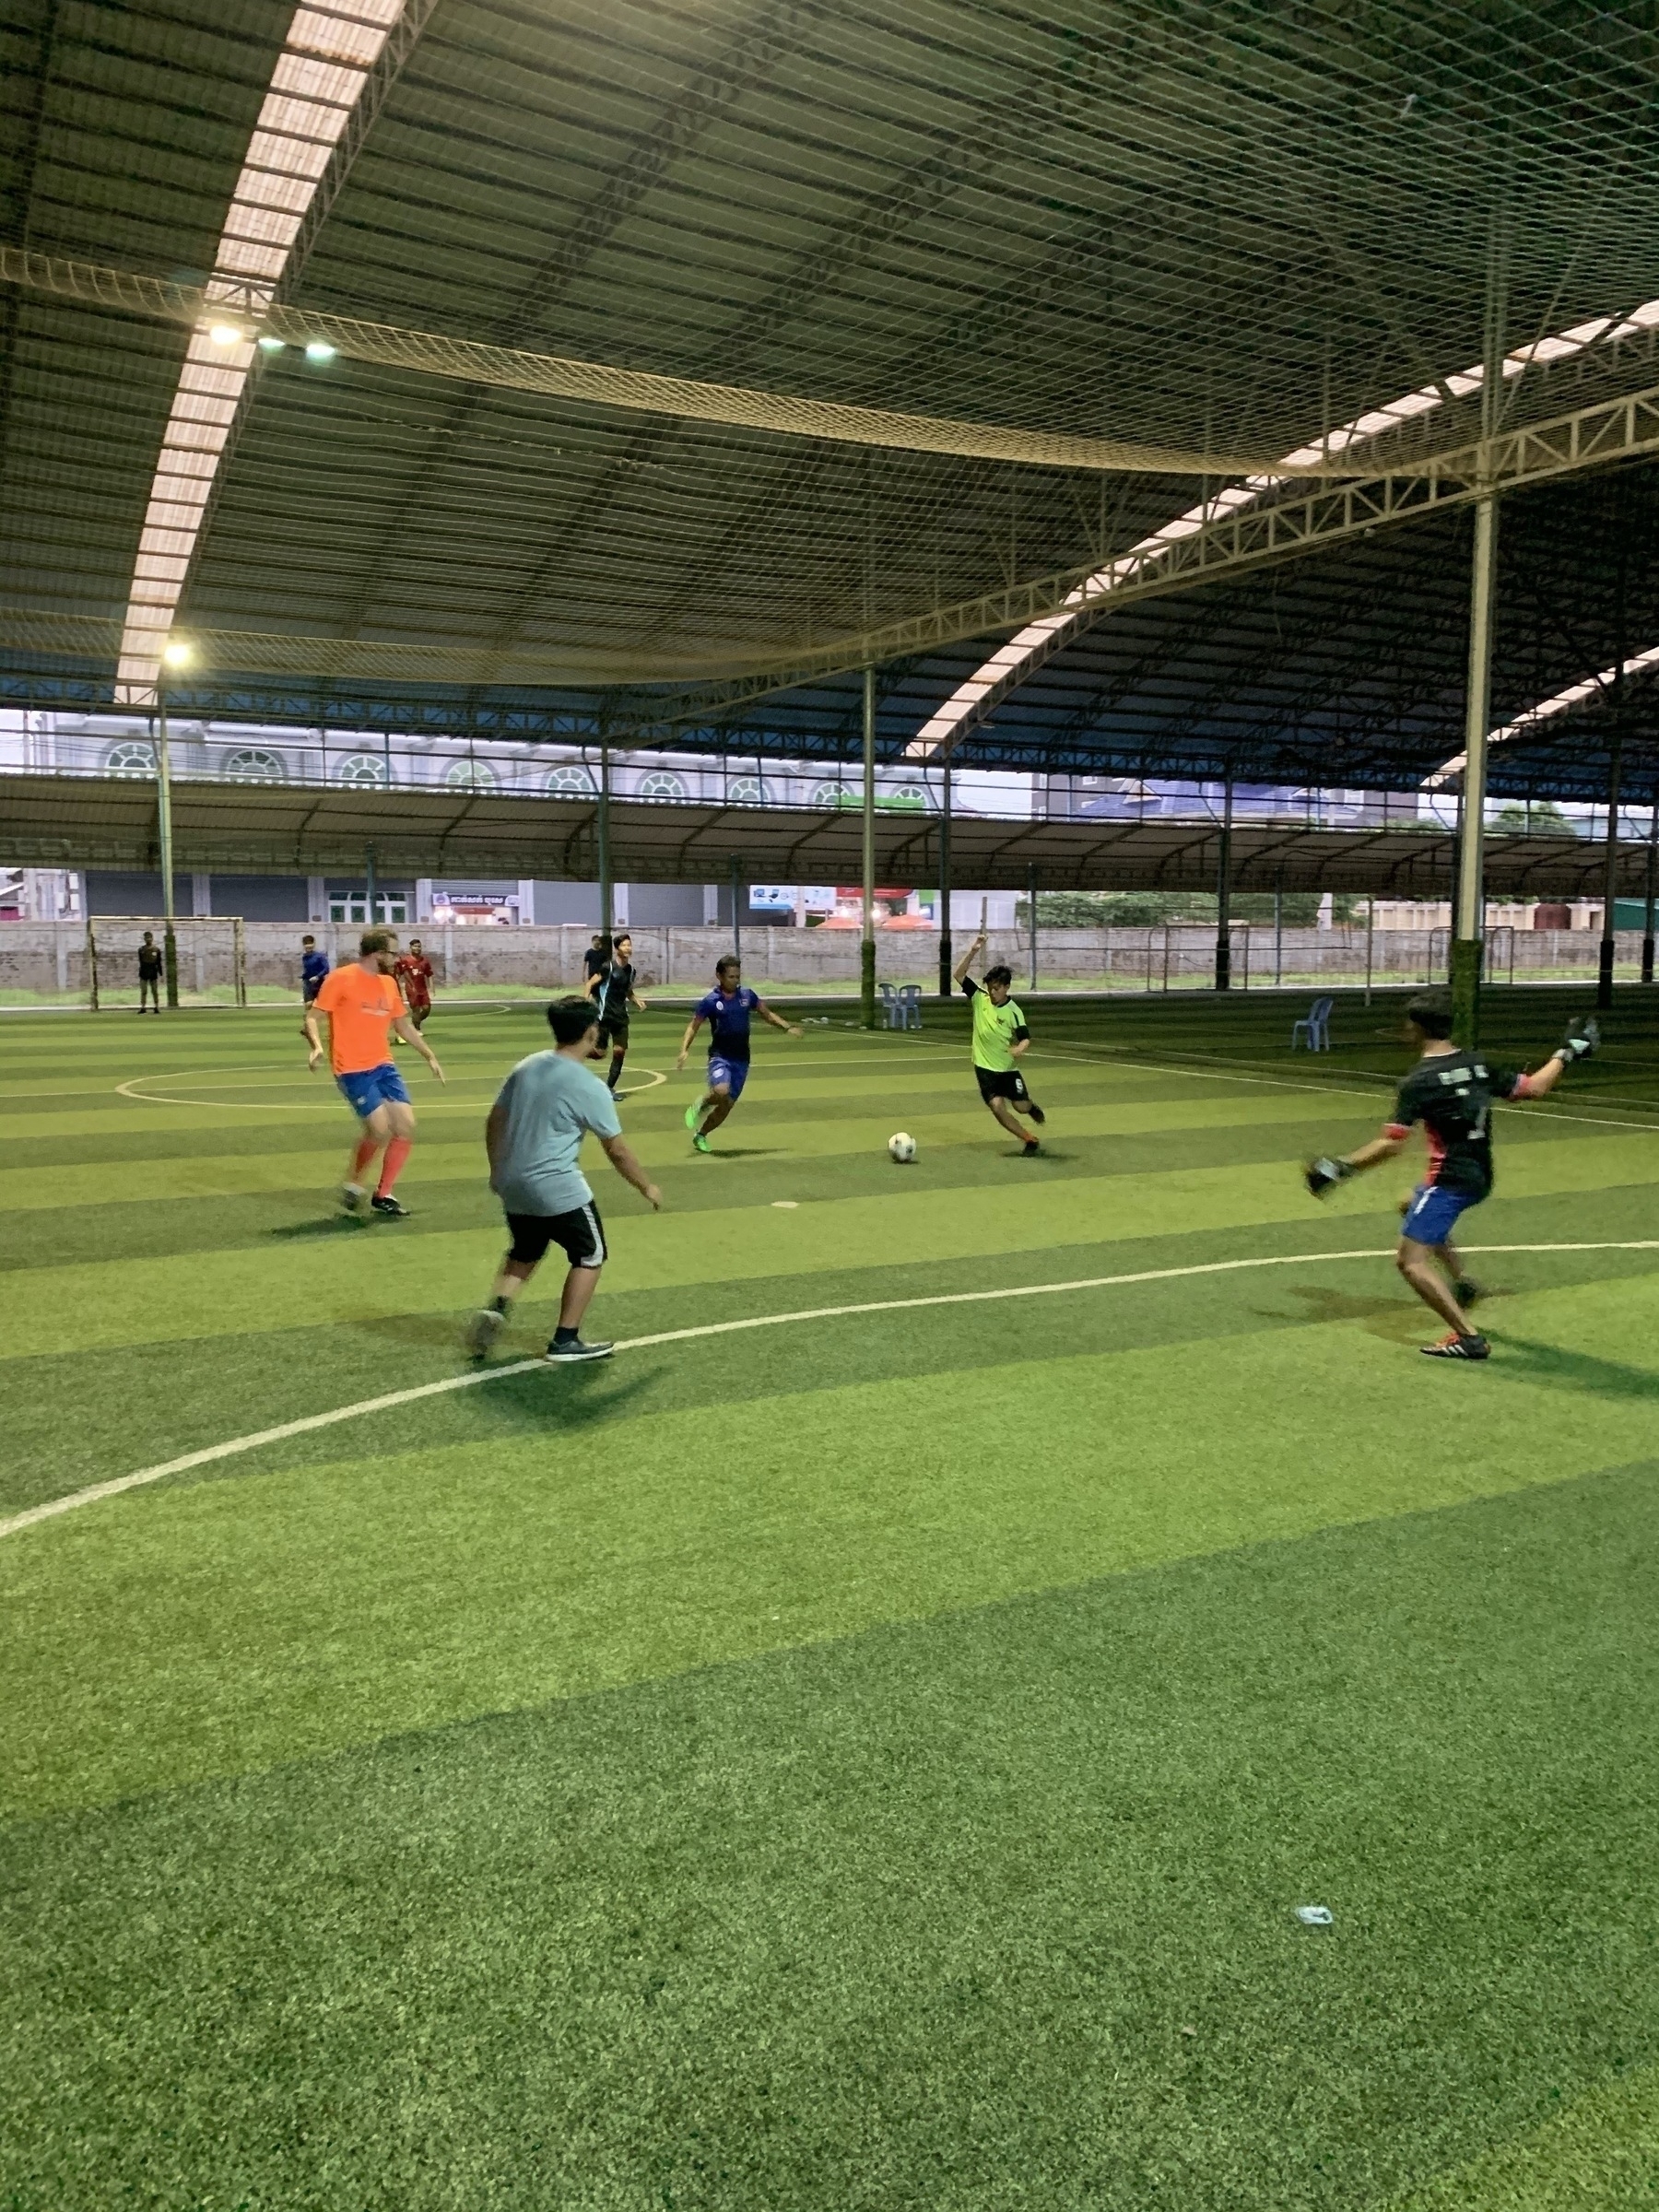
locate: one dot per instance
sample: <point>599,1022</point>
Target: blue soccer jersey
<point>727,1014</point>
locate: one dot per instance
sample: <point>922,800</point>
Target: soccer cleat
<point>1036,1112</point>
<point>694,1115</point>
<point>699,1143</point>
<point>483,1329</point>
<point>1457,1348</point>
<point>1466,1290</point>
<point>351,1198</point>
<point>1031,1149</point>
<point>574,1348</point>
<point>385,1204</point>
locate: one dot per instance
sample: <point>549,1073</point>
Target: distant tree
<point>1542,819</point>
<point>1154,910</point>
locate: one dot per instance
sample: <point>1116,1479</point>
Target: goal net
<point>209,960</point>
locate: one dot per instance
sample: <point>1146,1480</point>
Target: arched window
<point>662,783</point>
<point>748,790</point>
<point>571,780</point>
<point>254,764</point>
<point>834,794</point>
<point>132,757</point>
<point>471,775</point>
<point>361,767</point>
<point>909,798</point>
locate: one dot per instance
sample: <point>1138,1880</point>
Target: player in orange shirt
<point>363,1007</point>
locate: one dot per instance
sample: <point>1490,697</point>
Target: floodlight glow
<point>318,349</point>
<point>225,334</point>
<point>177,656</point>
<point>272,345</point>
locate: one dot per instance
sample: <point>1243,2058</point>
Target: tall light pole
<point>175,656</point>
<point>944,944</point>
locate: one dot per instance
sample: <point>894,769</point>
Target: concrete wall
<point>49,959</point>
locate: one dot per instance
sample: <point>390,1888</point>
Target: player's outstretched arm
<point>1581,1040</point>
<point>790,1029</point>
<point>621,1156</point>
<point>969,958</point>
<point>411,1035</point>
<point>1324,1175</point>
<point>692,1027</point>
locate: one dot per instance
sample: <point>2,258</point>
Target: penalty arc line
<point>54,1507</point>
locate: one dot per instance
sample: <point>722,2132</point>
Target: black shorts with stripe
<point>614,1034</point>
<point>1001,1083</point>
<point>580,1234</point>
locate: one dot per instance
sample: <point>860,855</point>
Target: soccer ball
<point>903,1149</point>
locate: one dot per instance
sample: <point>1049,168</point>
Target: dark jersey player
<point>1452,1092</point>
<point>726,1010</point>
<point>1000,1038</point>
<point>612,989</point>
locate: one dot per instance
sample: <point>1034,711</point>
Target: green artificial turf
<point>834,1764</point>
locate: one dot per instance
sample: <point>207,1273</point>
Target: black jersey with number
<point>614,990</point>
<point>1451,1094</point>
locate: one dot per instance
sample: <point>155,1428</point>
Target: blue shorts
<point>1433,1213</point>
<point>372,1086</point>
<point>734,1074</point>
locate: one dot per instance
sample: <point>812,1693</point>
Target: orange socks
<point>366,1150</point>
<point>397,1150</point>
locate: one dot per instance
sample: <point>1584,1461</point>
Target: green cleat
<point>699,1143</point>
<point>694,1115</point>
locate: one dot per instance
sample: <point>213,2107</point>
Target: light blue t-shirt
<point>551,1104</point>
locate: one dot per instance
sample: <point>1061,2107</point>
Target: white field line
<point>274,1082</point>
<point>474,1377</point>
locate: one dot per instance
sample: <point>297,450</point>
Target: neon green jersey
<point>996,1029</point>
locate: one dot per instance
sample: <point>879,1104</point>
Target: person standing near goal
<point>313,972</point>
<point>1451,1092</point>
<point>547,1106</point>
<point>363,1007</point>
<point>1000,1039</point>
<point>150,964</point>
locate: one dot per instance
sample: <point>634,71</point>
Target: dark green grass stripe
<point>156,1403</point>
<point>993,1913</point>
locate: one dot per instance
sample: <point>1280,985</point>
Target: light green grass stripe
<point>1601,2153</point>
<point>210,1630</point>
<point>384,1272</point>
<point>228,1176</point>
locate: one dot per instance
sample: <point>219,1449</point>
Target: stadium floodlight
<point>318,349</point>
<point>225,334</point>
<point>178,654</point>
<point>272,345</point>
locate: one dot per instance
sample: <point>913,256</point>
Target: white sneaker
<point>351,1198</point>
<point>483,1329</point>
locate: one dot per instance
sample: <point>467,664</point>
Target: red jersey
<point>414,972</point>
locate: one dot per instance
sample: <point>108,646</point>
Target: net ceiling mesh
<point>629,301</point>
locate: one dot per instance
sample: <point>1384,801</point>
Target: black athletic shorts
<point>580,1232</point>
<point>1001,1083</point>
<point>615,1034</point>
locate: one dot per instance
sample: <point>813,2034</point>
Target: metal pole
<point>866,951</point>
<point>1653,884</point>
<point>92,960</point>
<point>1603,982</point>
<point>1031,909</point>
<point>1224,891</point>
<point>1278,934</point>
<point>1467,944</point>
<point>369,884</point>
<point>946,950</point>
<point>240,959</point>
<point>607,890</point>
<point>736,907</point>
<point>1371,928</point>
<point>164,838</point>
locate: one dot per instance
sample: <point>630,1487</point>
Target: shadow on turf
<point>1523,1360</point>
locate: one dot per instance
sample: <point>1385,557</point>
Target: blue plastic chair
<point>1314,1030</point>
<point>909,1007</point>
<point>890,1015</point>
